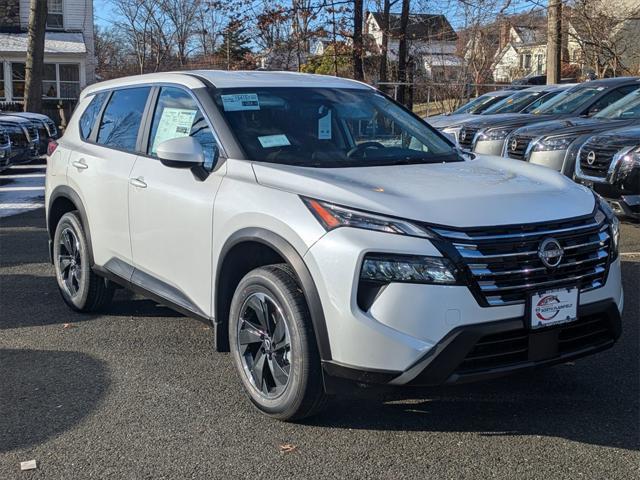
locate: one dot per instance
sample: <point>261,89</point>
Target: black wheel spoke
<point>65,262</point>
<point>264,344</point>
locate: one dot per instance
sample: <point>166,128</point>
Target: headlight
<point>334,216</point>
<point>553,143</point>
<point>614,224</point>
<point>385,268</point>
<point>493,134</point>
<point>630,161</point>
<point>452,133</point>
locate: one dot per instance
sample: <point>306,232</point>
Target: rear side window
<point>121,119</point>
<point>177,115</point>
<point>88,118</point>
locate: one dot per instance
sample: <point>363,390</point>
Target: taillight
<point>51,147</point>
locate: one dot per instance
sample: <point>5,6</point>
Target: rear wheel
<point>81,289</point>
<point>273,344</point>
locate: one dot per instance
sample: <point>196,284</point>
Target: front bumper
<point>622,193</point>
<point>421,334</point>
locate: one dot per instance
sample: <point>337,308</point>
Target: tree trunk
<point>554,41</point>
<point>34,67</point>
<point>384,48</point>
<point>403,53</point>
<point>358,69</point>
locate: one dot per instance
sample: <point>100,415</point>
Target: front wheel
<point>273,344</point>
<point>81,289</point>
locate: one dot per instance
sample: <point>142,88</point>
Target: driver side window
<point>177,115</point>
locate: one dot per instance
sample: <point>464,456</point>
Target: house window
<point>60,80</point>
<point>2,94</point>
<point>525,61</point>
<point>17,79</point>
<point>55,19</point>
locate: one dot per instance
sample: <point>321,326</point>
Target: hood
<point>629,136</point>
<point>28,115</point>
<point>574,125</point>
<point>503,120</point>
<point>15,119</point>
<point>445,121</point>
<point>486,191</point>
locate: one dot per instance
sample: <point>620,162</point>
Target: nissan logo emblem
<point>550,252</point>
<point>514,145</point>
<point>591,157</point>
<point>463,135</point>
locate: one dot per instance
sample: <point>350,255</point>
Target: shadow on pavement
<point>50,393</point>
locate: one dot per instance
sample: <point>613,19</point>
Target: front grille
<point>18,139</point>
<point>53,131</point>
<point>595,158</point>
<point>517,146</point>
<point>503,263</point>
<point>465,137</point>
<point>42,131</point>
<point>33,132</point>
<point>508,349</point>
<point>4,138</point>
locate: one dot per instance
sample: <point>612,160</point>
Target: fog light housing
<point>385,268</point>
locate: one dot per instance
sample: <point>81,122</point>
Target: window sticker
<point>270,141</point>
<point>240,102</point>
<point>324,127</point>
<point>174,123</point>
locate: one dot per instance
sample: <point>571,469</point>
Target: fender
<point>291,255</point>
<point>64,191</point>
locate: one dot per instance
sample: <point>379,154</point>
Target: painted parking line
<point>24,175</point>
<point>20,206</point>
<point>20,189</point>
<point>26,167</point>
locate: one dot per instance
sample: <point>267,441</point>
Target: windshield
<point>513,104</point>
<point>540,101</point>
<point>568,101</point>
<point>626,107</point>
<point>328,127</point>
<point>479,104</point>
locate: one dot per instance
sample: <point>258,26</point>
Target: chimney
<point>10,16</point>
<point>504,33</point>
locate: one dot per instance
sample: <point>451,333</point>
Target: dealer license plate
<point>553,307</point>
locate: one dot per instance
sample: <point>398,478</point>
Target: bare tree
<point>554,41</point>
<point>358,67</point>
<point>181,17</point>
<point>34,67</point>
<point>403,53</point>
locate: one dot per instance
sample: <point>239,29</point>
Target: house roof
<point>55,42</point>
<point>531,35</point>
<point>421,26</point>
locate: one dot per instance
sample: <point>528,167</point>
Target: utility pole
<point>403,54</point>
<point>358,69</point>
<point>554,41</point>
<point>34,67</point>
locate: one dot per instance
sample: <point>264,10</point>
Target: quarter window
<point>121,119</point>
<point>177,115</point>
<point>88,118</point>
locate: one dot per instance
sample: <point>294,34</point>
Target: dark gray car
<point>46,127</point>
<point>487,135</point>
<point>24,138</point>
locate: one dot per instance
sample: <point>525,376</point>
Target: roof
<point>232,79</point>
<point>531,35</point>
<point>421,26</point>
<point>55,42</point>
<point>442,61</point>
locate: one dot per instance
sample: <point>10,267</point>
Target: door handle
<point>138,182</point>
<point>80,165</point>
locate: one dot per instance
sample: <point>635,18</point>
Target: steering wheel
<point>363,146</point>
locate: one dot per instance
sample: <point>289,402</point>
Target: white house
<point>68,53</point>
<point>432,42</point>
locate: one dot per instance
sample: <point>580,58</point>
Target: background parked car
<point>46,128</point>
<point>551,140</point>
<point>609,163</point>
<point>487,135</point>
<point>5,149</point>
<point>24,138</point>
<point>520,102</point>
<point>468,110</point>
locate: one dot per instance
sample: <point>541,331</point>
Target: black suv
<point>23,134</point>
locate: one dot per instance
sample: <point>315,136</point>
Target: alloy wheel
<point>70,262</point>
<point>264,345</point>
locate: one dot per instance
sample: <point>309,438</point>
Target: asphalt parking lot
<point>138,392</point>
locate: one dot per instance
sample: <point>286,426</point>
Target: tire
<point>81,289</point>
<point>302,394</point>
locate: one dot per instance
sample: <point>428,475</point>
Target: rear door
<point>99,169</point>
<point>171,209</point>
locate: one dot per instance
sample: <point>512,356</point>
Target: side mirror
<point>181,152</point>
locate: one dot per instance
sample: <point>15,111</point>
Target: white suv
<point>329,235</point>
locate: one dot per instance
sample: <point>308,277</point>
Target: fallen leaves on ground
<point>287,448</point>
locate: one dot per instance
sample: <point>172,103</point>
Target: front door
<point>171,210</point>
